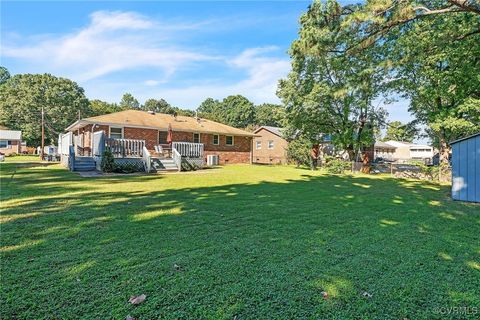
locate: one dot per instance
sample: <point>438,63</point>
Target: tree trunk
<point>314,155</point>
<point>444,150</point>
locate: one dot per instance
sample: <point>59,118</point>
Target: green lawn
<point>239,242</point>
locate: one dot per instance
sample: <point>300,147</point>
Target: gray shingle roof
<point>274,130</point>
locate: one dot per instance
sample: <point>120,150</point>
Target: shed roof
<point>465,138</point>
<point>143,119</point>
<point>10,135</point>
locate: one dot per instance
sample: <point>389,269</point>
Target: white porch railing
<point>177,158</point>
<point>147,160</point>
<point>64,143</point>
<point>125,148</point>
<point>98,143</point>
<point>189,149</point>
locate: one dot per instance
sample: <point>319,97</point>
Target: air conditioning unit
<point>212,160</point>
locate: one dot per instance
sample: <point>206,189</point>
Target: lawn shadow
<point>251,250</point>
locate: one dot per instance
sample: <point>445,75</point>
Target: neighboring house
<point>231,145</point>
<point>466,168</point>
<point>10,141</point>
<point>384,150</point>
<point>269,146</point>
<point>410,151</point>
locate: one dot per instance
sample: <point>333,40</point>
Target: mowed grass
<point>239,242</point>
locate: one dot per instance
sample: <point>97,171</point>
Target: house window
<point>258,145</point>
<point>229,140</point>
<point>196,138</point>
<point>270,144</point>
<point>116,133</point>
<point>162,137</point>
<point>216,139</point>
<point>3,143</point>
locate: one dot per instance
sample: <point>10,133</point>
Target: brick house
<point>269,146</point>
<point>11,141</point>
<point>231,145</point>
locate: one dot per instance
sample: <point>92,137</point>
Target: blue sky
<point>181,51</point>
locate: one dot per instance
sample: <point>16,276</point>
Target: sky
<point>183,52</point>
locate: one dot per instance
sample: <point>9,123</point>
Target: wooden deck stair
<point>84,164</point>
<point>163,164</point>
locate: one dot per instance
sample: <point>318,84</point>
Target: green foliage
<point>268,114</point>
<point>98,107</point>
<point>129,102</point>
<point>125,168</point>
<point>299,151</point>
<point>108,161</point>
<point>401,132</point>
<point>236,111</point>
<point>432,61</point>
<point>210,109</point>
<point>335,165</point>
<point>328,91</point>
<point>160,106</point>
<point>23,96</point>
<point>4,75</point>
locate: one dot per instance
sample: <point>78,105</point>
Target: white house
<point>409,151</point>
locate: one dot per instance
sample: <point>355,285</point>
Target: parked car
<point>2,157</point>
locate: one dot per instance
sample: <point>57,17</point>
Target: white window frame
<point>258,145</point>
<point>6,144</point>
<point>199,137</point>
<point>218,139</point>
<point>110,131</point>
<point>233,141</point>
<point>270,147</point>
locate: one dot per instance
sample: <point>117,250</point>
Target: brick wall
<point>14,147</point>
<point>149,135</point>
<point>238,153</point>
<point>276,155</point>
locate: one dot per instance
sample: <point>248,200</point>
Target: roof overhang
<point>78,125</point>
<point>82,123</point>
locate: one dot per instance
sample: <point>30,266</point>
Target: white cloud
<point>151,83</point>
<point>116,42</point>
<point>259,86</point>
<point>113,41</point>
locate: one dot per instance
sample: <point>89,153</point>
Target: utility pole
<point>43,135</point>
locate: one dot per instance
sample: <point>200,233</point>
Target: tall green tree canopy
<point>378,18</point>
<point>23,96</point>
<point>398,131</point>
<point>4,75</point>
<point>129,102</point>
<point>159,105</point>
<point>99,107</point>
<point>329,91</point>
<point>236,111</point>
<point>439,73</point>
<point>268,114</point>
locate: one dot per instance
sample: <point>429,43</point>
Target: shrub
<point>125,168</point>
<point>333,165</point>
<point>108,162</point>
<point>299,151</point>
